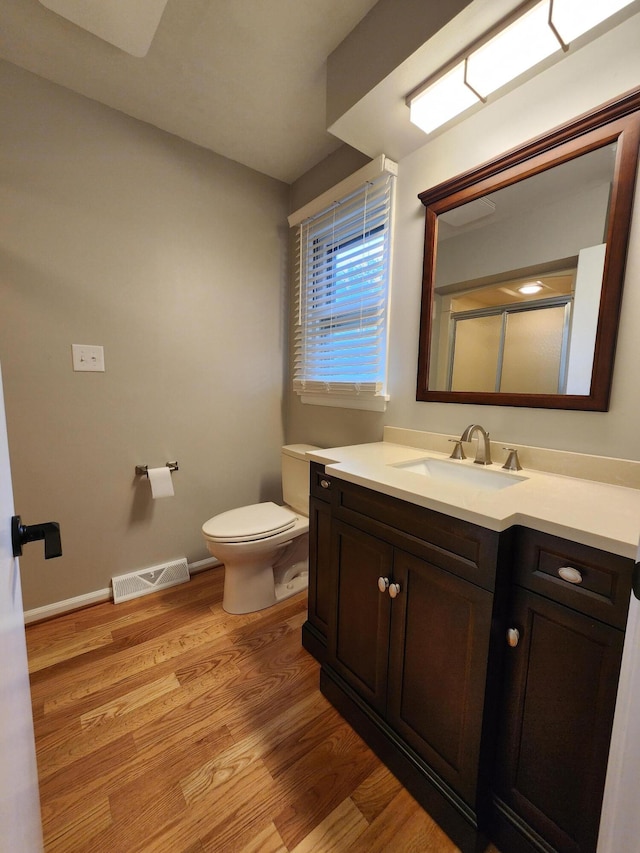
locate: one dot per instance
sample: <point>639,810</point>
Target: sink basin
<point>461,474</point>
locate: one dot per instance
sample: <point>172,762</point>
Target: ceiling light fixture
<point>514,50</point>
<point>572,18</point>
<point>447,97</point>
<point>541,30</point>
<point>530,288</point>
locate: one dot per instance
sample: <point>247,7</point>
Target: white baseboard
<point>48,611</point>
<point>60,607</point>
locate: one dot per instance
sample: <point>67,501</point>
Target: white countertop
<point>598,514</point>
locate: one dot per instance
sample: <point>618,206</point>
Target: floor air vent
<point>135,584</point>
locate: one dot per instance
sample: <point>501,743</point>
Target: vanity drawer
<point>595,583</point>
<point>320,485</point>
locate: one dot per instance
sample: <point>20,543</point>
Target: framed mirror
<point>524,263</point>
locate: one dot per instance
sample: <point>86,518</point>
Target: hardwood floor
<point>165,724</point>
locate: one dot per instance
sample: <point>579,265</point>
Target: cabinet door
<point>440,631</point>
<point>560,695</point>
<point>359,630</point>
<point>320,578</point>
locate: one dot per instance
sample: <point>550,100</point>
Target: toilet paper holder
<point>143,470</point>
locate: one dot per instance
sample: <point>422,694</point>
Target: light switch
<point>86,357</point>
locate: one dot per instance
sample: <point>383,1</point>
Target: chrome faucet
<point>483,451</point>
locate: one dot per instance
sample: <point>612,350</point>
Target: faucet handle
<point>512,463</point>
<point>457,452</point>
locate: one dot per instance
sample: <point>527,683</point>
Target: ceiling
<point>244,78</point>
<point>248,78</point>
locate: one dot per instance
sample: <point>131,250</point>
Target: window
<point>342,293</point>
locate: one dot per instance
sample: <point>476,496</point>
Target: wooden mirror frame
<point>617,121</point>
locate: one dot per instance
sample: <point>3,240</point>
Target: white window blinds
<point>342,296</point>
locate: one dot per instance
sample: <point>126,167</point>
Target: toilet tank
<point>295,476</point>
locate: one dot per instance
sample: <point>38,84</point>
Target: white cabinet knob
<point>569,574</point>
<point>513,637</point>
<point>394,589</point>
<point>383,584</point>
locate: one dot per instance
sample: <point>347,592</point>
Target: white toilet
<point>265,547</point>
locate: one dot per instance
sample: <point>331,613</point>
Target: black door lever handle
<point>23,533</point>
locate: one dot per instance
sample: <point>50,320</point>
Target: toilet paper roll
<point>161,482</point>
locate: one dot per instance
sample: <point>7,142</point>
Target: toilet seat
<point>249,523</point>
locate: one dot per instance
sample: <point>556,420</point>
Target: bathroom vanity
<point>475,649</point>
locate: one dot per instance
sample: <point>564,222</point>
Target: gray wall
<point>567,89</point>
<point>553,231</point>
<point>383,39</point>
<point>328,172</point>
<point>172,258</point>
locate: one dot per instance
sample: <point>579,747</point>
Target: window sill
<point>344,401</point>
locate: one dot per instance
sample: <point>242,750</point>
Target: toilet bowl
<point>265,547</point>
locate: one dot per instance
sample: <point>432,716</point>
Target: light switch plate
<point>88,357</point>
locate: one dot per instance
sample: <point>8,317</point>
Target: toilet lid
<point>249,522</point>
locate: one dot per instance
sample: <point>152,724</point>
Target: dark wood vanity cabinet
<point>358,642</point>
<point>560,683</point>
<point>412,673</point>
<point>438,700</point>
<point>494,740</point>
<point>314,631</point>
<point>419,659</point>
